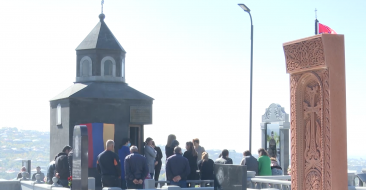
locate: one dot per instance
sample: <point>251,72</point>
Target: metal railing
<point>201,183</point>
<point>259,183</point>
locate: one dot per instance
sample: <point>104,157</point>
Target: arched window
<point>123,68</point>
<point>58,115</point>
<point>108,66</point>
<point>85,67</point>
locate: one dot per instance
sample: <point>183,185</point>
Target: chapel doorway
<point>137,136</point>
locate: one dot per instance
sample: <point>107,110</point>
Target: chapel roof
<point>100,38</point>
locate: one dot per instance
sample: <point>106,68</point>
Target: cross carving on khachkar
<point>312,131</point>
<point>318,112</point>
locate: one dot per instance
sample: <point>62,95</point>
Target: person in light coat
<point>150,155</point>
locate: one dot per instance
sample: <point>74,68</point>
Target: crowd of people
<point>128,168</point>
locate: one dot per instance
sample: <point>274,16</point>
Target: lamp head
<point>245,8</point>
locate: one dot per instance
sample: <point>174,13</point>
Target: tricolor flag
<point>98,134</point>
<point>321,28</point>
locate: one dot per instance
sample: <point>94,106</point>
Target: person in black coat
<point>158,162</point>
<point>206,167</point>
<point>62,166</point>
<point>169,148</point>
<point>191,156</point>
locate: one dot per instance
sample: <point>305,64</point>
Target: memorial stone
<point>230,177</point>
<point>318,112</point>
<point>80,158</point>
<point>276,139</point>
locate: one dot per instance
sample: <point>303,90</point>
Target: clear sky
<point>191,56</point>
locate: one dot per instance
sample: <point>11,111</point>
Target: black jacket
<point>108,164</point>
<point>62,166</point>
<point>159,156</point>
<point>192,165</point>
<point>206,169</point>
<point>136,167</point>
<point>177,165</point>
<point>34,176</point>
<point>169,151</point>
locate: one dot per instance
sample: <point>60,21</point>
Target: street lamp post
<point>246,9</point>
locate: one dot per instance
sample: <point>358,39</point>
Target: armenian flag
<point>98,134</point>
<point>321,28</point>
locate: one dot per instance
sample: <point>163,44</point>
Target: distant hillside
<point>17,145</point>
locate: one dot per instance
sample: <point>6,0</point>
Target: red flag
<point>325,29</point>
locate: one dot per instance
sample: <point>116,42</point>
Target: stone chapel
<point>99,95</point>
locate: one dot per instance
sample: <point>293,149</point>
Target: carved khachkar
<point>318,128</point>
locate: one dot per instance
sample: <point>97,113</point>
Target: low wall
<point>10,185</point>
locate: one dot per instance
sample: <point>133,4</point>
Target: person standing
<point>150,154</point>
<point>275,167</point>
<point>108,165</point>
<point>136,169</point>
<point>177,168</point>
<point>264,163</point>
<point>62,166</point>
<point>249,161</point>
<point>158,162</point>
<point>122,153</point>
<point>191,156</point>
<point>23,170</point>
<point>169,149</point>
<point>51,171</point>
<point>224,158</point>
<point>38,168</point>
<point>206,167</point>
<point>199,149</point>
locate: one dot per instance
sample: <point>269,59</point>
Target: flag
<point>325,29</point>
<point>98,134</point>
<point>102,2</point>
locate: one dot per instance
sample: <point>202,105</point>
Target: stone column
<point>318,112</point>
<point>264,139</point>
<point>80,158</point>
<point>284,146</point>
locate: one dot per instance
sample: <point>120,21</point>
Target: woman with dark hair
<point>224,158</point>
<point>169,148</point>
<point>206,167</point>
<point>264,163</point>
<point>150,155</point>
<point>158,162</point>
<point>191,155</point>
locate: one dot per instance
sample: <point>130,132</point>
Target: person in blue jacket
<point>122,153</point>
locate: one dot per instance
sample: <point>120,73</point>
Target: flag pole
<point>316,23</point>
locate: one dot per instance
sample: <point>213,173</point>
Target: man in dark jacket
<point>136,169</point>
<point>109,166</point>
<point>177,168</point>
<point>62,166</point>
<point>250,162</point>
<point>38,168</point>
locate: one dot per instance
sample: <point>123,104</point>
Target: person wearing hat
<point>38,168</point>
<point>150,155</point>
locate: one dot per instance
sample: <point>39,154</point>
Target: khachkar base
<point>318,112</point>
